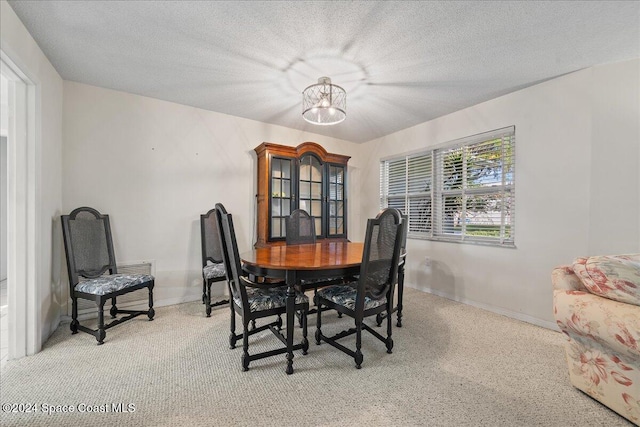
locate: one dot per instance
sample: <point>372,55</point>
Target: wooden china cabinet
<point>305,177</point>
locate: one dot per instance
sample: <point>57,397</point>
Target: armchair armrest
<point>564,279</point>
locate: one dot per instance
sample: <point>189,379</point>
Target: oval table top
<point>313,256</point>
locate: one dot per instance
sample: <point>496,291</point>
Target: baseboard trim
<point>498,310</point>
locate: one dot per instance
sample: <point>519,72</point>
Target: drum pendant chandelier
<point>324,103</point>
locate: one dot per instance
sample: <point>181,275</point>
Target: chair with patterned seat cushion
<point>89,248</point>
<point>403,259</point>
<point>213,270</point>
<point>373,292</point>
<point>253,300</point>
<point>301,229</point>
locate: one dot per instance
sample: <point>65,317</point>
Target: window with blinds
<point>462,191</point>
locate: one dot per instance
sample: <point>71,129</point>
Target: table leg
<point>291,299</point>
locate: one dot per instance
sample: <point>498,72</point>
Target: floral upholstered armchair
<point>597,306</point>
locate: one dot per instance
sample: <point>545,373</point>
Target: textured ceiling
<point>402,63</point>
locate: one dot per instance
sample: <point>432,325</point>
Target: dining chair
<point>251,300</point>
<point>89,249</point>
<point>373,292</point>
<point>212,264</point>
<point>300,228</point>
<point>400,282</point>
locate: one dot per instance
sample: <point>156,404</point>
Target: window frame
<point>401,196</point>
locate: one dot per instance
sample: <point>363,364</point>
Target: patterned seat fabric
<point>261,299</point>
<point>213,271</point>
<point>112,283</point>
<point>345,295</point>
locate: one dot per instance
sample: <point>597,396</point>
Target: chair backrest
<point>405,231</point>
<point>88,244</point>
<point>210,238</point>
<point>231,256</point>
<point>301,228</point>
<point>403,235</point>
<point>380,258</point>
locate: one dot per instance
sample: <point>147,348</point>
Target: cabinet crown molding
<point>304,148</point>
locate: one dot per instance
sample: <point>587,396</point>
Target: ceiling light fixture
<point>324,103</point>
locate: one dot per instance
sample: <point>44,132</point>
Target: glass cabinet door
<point>336,200</point>
<point>280,199</point>
<point>310,189</point>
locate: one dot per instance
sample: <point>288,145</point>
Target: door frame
<point>22,211</point>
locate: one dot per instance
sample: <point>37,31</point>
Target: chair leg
<point>151,311</point>
<point>74,316</point>
<point>245,345</point>
<point>305,342</point>
<point>101,334</point>
<point>379,319</point>
<point>207,300</point>
<point>204,291</point>
<point>389,341</point>
<point>279,324</point>
<point>400,292</point>
<point>358,357</point>
<point>318,323</point>
<point>232,336</point>
<point>253,325</point>
<point>299,316</point>
<point>114,309</point>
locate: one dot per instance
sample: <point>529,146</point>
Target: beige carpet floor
<point>452,365</point>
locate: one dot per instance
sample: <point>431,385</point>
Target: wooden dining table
<point>297,263</point>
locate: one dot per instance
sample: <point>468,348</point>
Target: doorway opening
<point>19,327</point>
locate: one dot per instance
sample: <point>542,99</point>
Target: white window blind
<point>463,191</point>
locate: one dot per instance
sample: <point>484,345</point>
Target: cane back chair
<point>301,228</point>
<point>213,270</point>
<point>251,300</point>
<point>403,259</point>
<point>89,248</point>
<point>373,292</point>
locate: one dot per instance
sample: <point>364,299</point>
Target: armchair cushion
<point>213,271</point>
<point>112,283</point>
<point>345,295</point>
<point>603,335</point>
<point>261,299</point>
<point>616,277</point>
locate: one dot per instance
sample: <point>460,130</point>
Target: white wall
<point>155,166</point>
<point>577,188</point>
<point>615,164</point>
<point>18,44</point>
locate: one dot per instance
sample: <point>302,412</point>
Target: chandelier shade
<point>324,103</point>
